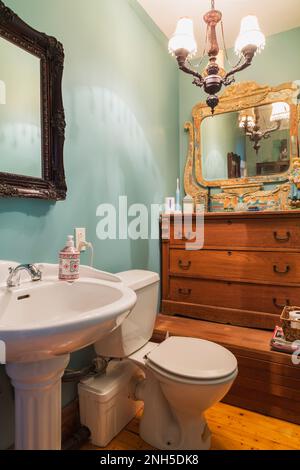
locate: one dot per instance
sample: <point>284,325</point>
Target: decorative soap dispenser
<point>69,262</point>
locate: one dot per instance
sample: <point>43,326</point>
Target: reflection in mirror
<point>252,142</point>
<point>20,112</point>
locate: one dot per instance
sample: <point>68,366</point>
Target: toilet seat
<point>192,360</point>
<point>183,380</point>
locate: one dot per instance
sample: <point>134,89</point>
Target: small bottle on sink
<point>69,261</point>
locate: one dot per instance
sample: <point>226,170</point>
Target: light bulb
<point>247,119</point>
<point>183,37</point>
<point>250,35</point>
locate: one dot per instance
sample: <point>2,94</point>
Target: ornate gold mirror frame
<point>236,98</point>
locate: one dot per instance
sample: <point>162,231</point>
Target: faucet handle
<point>13,278</point>
<point>35,270</point>
<point>39,272</point>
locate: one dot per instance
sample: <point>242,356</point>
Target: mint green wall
<point>121,101</point>
<point>277,64</point>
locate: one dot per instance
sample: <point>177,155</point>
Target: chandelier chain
<point>212,4</point>
<point>204,51</point>
<point>226,50</point>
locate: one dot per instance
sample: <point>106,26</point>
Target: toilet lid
<point>193,358</point>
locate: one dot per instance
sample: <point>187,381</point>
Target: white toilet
<point>182,377</point>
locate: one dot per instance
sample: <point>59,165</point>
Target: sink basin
<point>41,323</point>
<point>43,319</point>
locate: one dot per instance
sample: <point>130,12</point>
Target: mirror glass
<point>20,111</point>
<point>248,143</point>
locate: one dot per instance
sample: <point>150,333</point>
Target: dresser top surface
<point>243,215</point>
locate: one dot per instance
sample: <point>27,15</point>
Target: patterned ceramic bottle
<point>69,262</point>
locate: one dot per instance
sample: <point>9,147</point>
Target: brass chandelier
<point>183,46</point>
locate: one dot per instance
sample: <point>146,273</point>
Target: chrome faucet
<point>13,279</point>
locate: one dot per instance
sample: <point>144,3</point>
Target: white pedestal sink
<point>43,322</point>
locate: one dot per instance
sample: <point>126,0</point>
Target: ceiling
<point>274,15</point>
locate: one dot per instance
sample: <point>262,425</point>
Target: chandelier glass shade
<point>280,112</point>
<point>250,34</point>
<point>247,119</point>
<point>184,37</point>
<point>183,46</point>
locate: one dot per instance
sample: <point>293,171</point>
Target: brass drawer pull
<point>277,270</point>
<point>185,291</point>
<point>282,239</point>
<point>281,306</point>
<point>186,266</point>
<point>186,236</point>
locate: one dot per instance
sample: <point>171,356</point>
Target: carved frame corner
<point>52,184</point>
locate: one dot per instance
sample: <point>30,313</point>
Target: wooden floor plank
<point>232,429</point>
<point>257,431</point>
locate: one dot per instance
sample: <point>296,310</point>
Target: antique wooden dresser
<point>247,271</point>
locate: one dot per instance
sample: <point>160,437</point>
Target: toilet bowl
<point>182,377</point>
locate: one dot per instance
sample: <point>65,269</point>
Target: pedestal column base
<point>38,403</point>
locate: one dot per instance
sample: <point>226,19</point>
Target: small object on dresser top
<point>241,206</point>
<point>290,323</point>
<point>279,343</point>
<point>188,205</point>
<point>295,316</point>
<point>177,205</point>
<point>169,205</point>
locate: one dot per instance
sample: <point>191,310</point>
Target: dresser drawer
<point>235,295</point>
<point>270,267</point>
<point>244,233</point>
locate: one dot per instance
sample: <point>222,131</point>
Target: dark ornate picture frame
<point>52,184</point>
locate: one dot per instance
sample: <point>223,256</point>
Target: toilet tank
<point>138,327</point>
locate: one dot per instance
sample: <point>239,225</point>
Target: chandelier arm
<point>267,135</point>
<point>239,68</point>
<point>268,132</point>
<point>248,53</point>
<point>184,68</point>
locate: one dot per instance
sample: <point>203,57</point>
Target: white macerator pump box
<point>106,402</point>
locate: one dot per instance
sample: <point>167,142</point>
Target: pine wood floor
<point>232,429</point>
